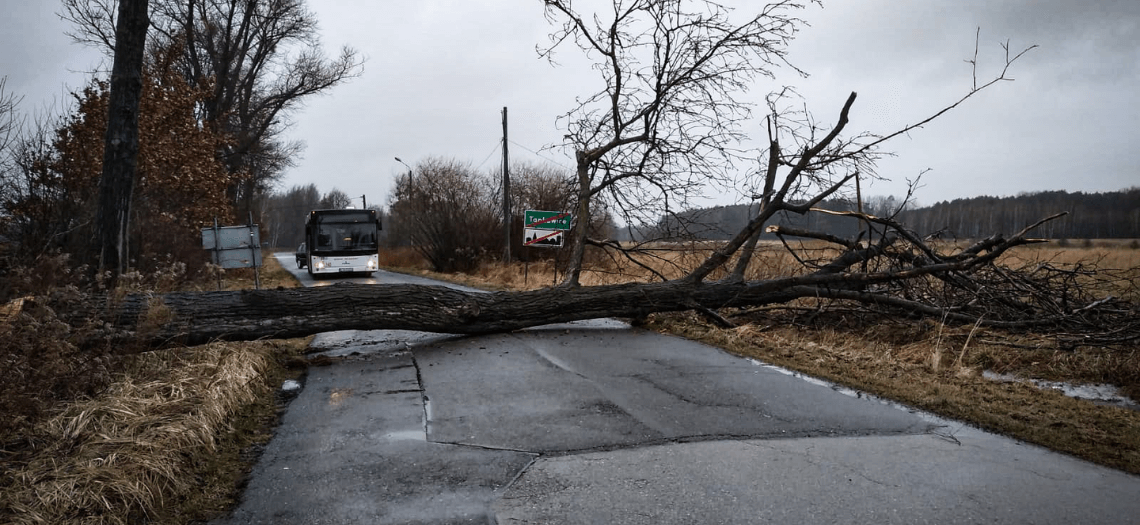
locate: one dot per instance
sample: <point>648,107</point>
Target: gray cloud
<point>439,73</point>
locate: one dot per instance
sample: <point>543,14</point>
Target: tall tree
<point>450,213</point>
<point>122,138</point>
<point>286,214</point>
<point>668,112</point>
<point>51,192</point>
<point>261,58</point>
<point>9,121</point>
<point>335,199</point>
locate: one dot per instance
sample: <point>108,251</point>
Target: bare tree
<point>9,121</point>
<point>335,199</point>
<point>450,213</point>
<point>669,112</point>
<point>286,214</point>
<point>261,58</point>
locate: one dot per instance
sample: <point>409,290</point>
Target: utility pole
<point>506,195</point>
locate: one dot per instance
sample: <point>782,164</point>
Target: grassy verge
<point>167,437</point>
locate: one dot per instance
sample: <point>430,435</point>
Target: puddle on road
<point>406,435</point>
<point>819,382</point>
<point>929,417</point>
<point>1101,394</point>
<point>290,385</point>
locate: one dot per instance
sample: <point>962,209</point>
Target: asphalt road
<point>598,422</point>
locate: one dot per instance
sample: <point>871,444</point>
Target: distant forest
<point>1112,215</point>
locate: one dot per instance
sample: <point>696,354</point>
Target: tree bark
<point>198,317</point>
<point>121,146</point>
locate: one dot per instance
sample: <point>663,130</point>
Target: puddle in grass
<point>1100,394</point>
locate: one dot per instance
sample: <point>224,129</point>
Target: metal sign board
<point>543,238</point>
<point>547,220</point>
<point>233,246</point>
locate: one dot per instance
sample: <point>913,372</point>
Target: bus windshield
<point>345,236</point>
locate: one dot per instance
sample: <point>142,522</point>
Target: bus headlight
<point>320,265</point>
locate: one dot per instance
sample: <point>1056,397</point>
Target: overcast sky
<point>439,72</point>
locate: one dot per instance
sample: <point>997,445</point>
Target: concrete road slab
<point>904,479</point>
<point>352,448</point>
<point>580,389</point>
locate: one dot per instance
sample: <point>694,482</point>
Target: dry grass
<point>160,436</point>
<point>406,258</point>
<point>108,459</point>
<point>1118,263</point>
<point>271,275</point>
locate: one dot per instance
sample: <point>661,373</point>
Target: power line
<point>536,154</point>
<point>495,149</point>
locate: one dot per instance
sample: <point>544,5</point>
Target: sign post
<point>545,229</point>
<point>234,247</point>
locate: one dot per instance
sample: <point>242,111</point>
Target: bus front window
<point>348,237</point>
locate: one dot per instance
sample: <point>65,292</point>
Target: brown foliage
<point>180,185</point>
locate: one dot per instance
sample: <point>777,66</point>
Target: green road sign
<point>546,220</point>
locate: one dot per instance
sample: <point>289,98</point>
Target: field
<point>168,436</point>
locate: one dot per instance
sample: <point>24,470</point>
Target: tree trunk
<point>122,139</point>
<point>199,317</point>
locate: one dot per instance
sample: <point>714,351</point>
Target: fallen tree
<point>665,124</point>
<point>906,278</point>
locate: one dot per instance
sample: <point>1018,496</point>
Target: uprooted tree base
<point>900,275</point>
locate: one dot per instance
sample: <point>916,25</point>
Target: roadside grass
<point>163,437</point>
<point>270,276</point>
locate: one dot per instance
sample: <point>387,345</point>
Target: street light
<point>409,172</point>
<point>405,165</point>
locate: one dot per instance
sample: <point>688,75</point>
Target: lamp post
<point>409,171</point>
<point>407,205</point>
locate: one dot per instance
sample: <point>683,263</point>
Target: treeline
<point>723,222</point>
<point>1111,215</point>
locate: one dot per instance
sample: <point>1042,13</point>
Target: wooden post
<point>506,195</point>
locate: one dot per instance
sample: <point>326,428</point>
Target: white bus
<point>340,241</point>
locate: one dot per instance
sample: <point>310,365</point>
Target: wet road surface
<point>597,422</point>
